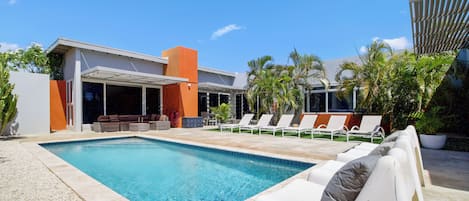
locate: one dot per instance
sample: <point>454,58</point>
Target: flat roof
<point>215,86</point>
<point>112,74</point>
<point>62,45</point>
<point>216,71</point>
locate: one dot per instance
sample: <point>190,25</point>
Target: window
<point>202,103</point>
<point>213,99</point>
<point>224,99</point>
<point>317,102</point>
<point>123,100</point>
<point>93,102</point>
<point>340,105</point>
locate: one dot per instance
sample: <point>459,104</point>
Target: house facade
<point>101,80</point>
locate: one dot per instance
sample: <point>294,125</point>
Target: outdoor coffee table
<point>139,126</point>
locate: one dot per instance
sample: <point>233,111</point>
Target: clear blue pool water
<point>147,169</point>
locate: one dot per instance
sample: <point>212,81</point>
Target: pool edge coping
<point>88,188</point>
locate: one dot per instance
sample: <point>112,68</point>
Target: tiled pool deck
<point>31,173</point>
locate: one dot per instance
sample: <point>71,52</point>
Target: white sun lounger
<point>244,121</point>
<point>369,127</point>
<point>284,122</point>
<point>336,124</point>
<point>263,121</point>
<point>306,124</point>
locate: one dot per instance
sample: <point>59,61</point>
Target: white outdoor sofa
<point>396,176</point>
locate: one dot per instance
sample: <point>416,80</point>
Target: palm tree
<point>371,77</point>
<point>256,76</point>
<point>305,70</point>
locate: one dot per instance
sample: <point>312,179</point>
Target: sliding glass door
<point>123,100</point>
<point>153,101</point>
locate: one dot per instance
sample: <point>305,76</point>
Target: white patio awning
<point>118,75</point>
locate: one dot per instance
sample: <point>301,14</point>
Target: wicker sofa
<point>114,123</point>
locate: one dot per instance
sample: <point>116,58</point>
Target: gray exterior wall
<point>90,59</point>
<point>33,103</point>
<point>215,78</point>
<point>69,64</point>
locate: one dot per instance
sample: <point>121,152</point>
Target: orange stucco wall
<point>181,97</point>
<point>57,105</point>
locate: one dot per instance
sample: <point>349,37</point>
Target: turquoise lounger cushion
<point>347,183</point>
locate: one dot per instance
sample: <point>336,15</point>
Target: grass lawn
<point>341,138</point>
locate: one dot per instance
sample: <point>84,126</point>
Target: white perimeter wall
<point>33,106</point>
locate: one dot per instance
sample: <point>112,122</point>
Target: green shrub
<point>222,112</point>
<point>429,122</point>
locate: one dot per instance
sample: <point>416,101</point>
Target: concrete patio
<point>25,177</point>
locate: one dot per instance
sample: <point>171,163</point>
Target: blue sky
<point>227,34</point>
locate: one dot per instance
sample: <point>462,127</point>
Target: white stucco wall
<point>90,59</point>
<point>33,102</point>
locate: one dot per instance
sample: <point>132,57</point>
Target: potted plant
<point>428,124</point>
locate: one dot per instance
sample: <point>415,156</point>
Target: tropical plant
<point>222,112</point>
<point>306,70</point>
<point>394,85</point>
<point>429,122</point>
<point>371,77</point>
<point>256,73</point>
<point>32,59</point>
<point>278,89</point>
<point>7,99</point>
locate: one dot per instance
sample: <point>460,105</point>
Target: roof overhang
<point>117,75</point>
<point>217,87</point>
<point>439,25</point>
<point>62,45</point>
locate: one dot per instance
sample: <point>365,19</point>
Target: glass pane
<point>153,104</point>
<point>317,102</point>
<point>213,98</point>
<point>238,106</point>
<point>202,103</point>
<point>245,105</point>
<point>224,99</point>
<point>123,100</point>
<point>92,102</point>
<point>340,105</point>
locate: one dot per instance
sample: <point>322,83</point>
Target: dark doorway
<point>93,102</point>
<point>153,104</point>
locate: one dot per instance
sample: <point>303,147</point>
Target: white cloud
<point>8,46</point>
<point>11,2</point>
<point>224,30</point>
<point>398,43</point>
<point>363,50</point>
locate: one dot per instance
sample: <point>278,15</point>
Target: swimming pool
<point>149,169</point>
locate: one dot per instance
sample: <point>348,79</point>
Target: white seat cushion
<point>298,190</point>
